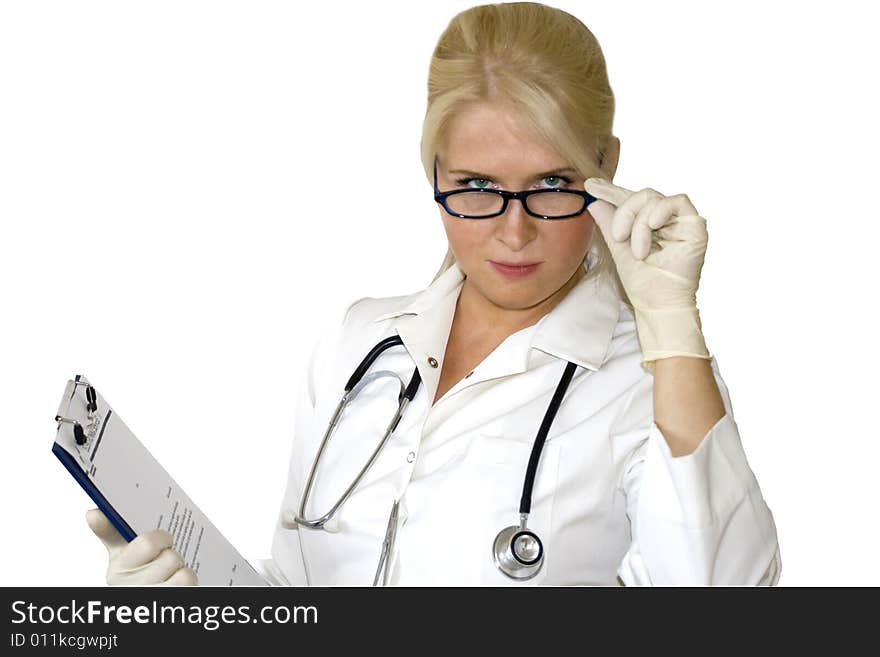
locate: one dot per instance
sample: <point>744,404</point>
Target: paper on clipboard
<point>135,492</point>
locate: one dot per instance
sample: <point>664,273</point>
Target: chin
<point>517,297</point>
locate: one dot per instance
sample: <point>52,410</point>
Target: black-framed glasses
<point>486,203</point>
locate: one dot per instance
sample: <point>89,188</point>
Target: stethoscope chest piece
<point>518,552</point>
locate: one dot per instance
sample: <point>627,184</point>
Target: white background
<point>188,194</point>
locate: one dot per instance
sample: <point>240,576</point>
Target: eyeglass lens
<point>482,203</point>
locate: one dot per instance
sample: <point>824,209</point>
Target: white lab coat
<point>611,504</point>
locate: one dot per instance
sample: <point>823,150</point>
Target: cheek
<point>571,238</point>
<point>466,237</point>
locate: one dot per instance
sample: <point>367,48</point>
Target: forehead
<point>486,137</point>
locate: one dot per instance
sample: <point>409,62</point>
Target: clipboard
<point>134,491</point>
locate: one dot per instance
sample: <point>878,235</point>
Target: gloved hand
<point>658,244</point>
<point>147,560</point>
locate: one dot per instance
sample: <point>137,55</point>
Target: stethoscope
<point>517,551</point>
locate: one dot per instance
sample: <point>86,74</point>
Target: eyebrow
<point>543,174</point>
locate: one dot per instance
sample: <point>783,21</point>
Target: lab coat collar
<point>414,304</point>
<point>579,328</point>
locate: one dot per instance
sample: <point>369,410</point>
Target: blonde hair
<point>540,62</point>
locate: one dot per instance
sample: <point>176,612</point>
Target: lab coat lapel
<point>424,324</point>
<point>508,358</point>
<point>424,336</point>
<point>580,327</point>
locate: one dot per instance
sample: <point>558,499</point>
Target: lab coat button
<point>410,457</point>
<point>432,361</point>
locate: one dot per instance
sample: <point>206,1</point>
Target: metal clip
<point>79,433</point>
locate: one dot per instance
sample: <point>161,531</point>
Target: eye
<point>463,182</point>
<point>558,180</point>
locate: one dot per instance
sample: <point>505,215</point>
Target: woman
<point>536,319</point>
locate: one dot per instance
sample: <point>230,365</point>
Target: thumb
<point>609,197</point>
<point>603,214</point>
<point>105,530</point>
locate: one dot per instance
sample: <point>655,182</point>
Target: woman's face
<point>492,148</point>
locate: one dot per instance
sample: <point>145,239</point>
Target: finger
<point>161,568</point>
<point>143,549</point>
<point>661,213</point>
<point>183,577</point>
<point>607,191</point>
<point>104,529</point>
<point>689,228</point>
<point>153,572</point>
<point>626,214</point>
<point>671,206</point>
<point>640,242</point>
<point>603,215</point>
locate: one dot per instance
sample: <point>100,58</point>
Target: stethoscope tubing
<point>525,503</point>
<point>371,357</point>
<point>405,397</point>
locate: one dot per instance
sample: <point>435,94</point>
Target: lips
<point>515,270</point>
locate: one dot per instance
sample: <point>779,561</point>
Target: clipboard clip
<point>79,433</point>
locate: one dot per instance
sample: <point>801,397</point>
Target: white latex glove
<point>147,560</point>
<point>658,244</point>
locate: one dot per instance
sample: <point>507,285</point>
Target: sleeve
<point>286,566</point>
<point>698,519</point>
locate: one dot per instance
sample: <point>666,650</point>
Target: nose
<point>516,228</point>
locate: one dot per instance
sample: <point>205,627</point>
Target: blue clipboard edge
<point>92,491</point>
